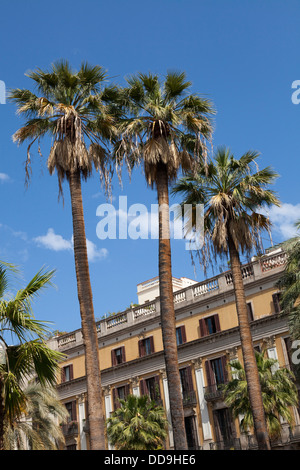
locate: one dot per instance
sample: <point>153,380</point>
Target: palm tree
<point>289,284</point>
<point>139,424</point>
<point>72,108</point>
<point>167,129</point>
<point>39,424</point>
<point>279,393</point>
<point>232,192</point>
<point>29,353</point>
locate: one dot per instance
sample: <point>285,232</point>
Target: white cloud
<point>283,219</point>
<point>52,241</point>
<point>95,253</point>
<point>55,242</point>
<point>4,178</point>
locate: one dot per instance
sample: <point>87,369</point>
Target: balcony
<point>189,398</point>
<point>70,429</point>
<point>230,444</point>
<point>214,392</point>
<point>289,438</point>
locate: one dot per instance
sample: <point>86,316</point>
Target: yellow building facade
<point>132,357</point>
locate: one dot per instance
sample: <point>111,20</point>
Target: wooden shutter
<point>183,334</point>
<point>74,413</point>
<point>143,387</point>
<point>151,344</point>
<point>224,367</point>
<point>113,358</point>
<point>71,372</point>
<point>203,329</point>
<point>210,376</point>
<point>189,379</point>
<point>62,375</point>
<point>123,354</point>
<point>217,322</point>
<point>116,399</point>
<point>157,387</point>
<point>127,390</point>
<point>141,348</point>
<point>250,311</point>
<point>276,302</point>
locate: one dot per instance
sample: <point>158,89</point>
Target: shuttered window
<point>216,371</point>
<point>120,393</point>
<point>186,379</point>
<point>151,387</point>
<point>209,325</point>
<point>118,356</point>
<point>146,346</point>
<point>276,302</point>
<point>67,373</point>
<point>180,335</point>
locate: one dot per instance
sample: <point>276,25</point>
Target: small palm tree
<point>29,354</point>
<point>39,425</point>
<point>73,109</point>
<point>279,393</point>
<point>232,192</point>
<point>167,128</point>
<point>139,424</point>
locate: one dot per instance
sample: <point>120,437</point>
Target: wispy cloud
<point>4,178</point>
<point>283,219</point>
<point>55,242</point>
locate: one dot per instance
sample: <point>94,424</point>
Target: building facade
<point>132,357</point>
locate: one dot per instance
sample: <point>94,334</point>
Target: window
<point>151,388</point>
<point>216,371</point>
<point>118,356</point>
<point>250,311</point>
<point>71,408</point>
<point>67,373</point>
<point>276,302</point>
<point>120,393</point>
<point>186,380</point>
<point>146,346</point>
<point>209,325</point>
<point>180,335</point>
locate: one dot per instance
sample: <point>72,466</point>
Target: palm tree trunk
<point>167,311</point>
<point>251,371</point>
<point>1,415</point>
<point>89,332</point>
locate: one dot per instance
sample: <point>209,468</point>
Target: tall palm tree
<point>167,129</point>
<point>232,192</point>
<point>73,108</point>
<point>39,423</point>
<point>279,393</point>
<point>139,424</point>
<point>28,353</point>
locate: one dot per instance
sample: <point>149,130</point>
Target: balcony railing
<point>229,444</point>
<point>272,262</point>
<point>70,429</point>
<point>247,272</point>
<point>214,392</point>
<point>189,398</point>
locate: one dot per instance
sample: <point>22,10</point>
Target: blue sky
<point>241,54</point>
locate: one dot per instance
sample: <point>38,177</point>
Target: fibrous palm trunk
<point>250,365</point>
<point>2,414</point>
<point>167,311</point>
<point>89,332</point>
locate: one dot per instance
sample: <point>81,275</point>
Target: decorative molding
<point>269,342</point>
